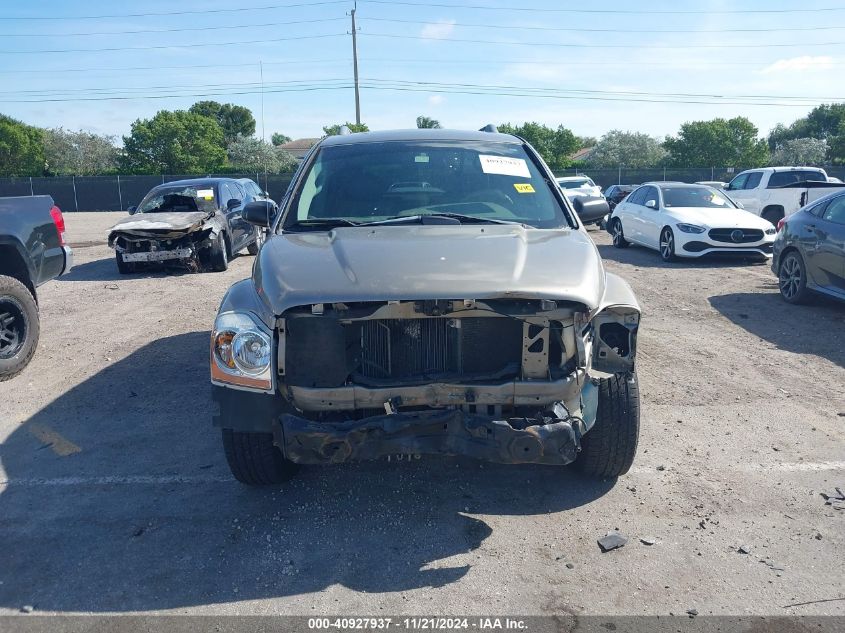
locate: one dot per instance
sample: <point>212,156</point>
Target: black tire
<point>218,259</point>
<point>618,234</point>
<point>123,267</point>
<point>255,246</point>
<point>254,460</point>
<point>773,215</point>
<point>19,327</point>
<point>667,245</point>
<point>608,449</point>
<point>792,278</point>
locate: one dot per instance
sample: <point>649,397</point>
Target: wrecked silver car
<point>196,223</point>
<point>426,292</point>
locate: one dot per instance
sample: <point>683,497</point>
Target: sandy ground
<point>115,495</point>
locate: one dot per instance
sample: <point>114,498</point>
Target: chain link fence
<point>116,193</point>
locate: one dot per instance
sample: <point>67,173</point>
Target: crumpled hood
<point>720,218</point>
<point>156,223</point>
<point>428,262</point>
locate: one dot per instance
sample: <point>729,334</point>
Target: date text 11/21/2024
<point>417,623</point>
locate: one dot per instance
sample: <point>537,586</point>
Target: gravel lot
<point>115,496</point>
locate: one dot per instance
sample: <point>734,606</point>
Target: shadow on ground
<point>118,498</point>
<point>647,258</point>
<point>817,328</point>
<point>106,270</point>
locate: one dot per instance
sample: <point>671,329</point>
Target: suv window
<point>753,180</point>
<point>738,183</point>
<point>835,211</point>
<point>781,178</point>
<point>367,182</point>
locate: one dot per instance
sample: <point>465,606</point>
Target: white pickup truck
<point>775,192</point>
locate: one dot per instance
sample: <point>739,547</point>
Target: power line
<point>570,65</point>
<point>571,45</point>
<point>165,13</point>
<point>177,30</point>
<point>163,46</point>
<point>612,11</point>
<point>188,67</point>
<point>601,30</point>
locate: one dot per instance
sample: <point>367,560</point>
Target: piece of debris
<point>818,536</point>
<point>612,540</point>
<point>770,564</point>
<point>702,524</point>
<point>692,612</point>
<point>836,501</point>
<point>570,566</point>
<point>648,540</point>
<point>27,608</point>
<point>744,549</point>
<point>661,467</point>
<point>112,287</point>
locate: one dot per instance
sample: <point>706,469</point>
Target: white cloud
<point>806,62</point>
<point>438,31</point>
<point>435,100</point>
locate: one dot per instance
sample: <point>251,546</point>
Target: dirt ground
<point>115,496</point>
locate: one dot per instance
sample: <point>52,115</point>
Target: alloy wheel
<point>617,232</point>
<point>667,245</point>
<point>790,277</point>
<point>12,327</point>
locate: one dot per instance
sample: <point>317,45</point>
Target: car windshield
<point>465,181</point>
<point>178,198</point>
<point>703,197</point>
<point>575,184</point>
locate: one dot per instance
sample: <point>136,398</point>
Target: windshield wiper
<point>323,223</point>
<point>460,217</point>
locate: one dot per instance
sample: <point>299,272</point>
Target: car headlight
<point>691,228</point>
<point>241,352</point>
<point>771,231</point>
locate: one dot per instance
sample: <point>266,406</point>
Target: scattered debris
<point>612,540</point>
<point>570,566</point>
<point>836,501</point>
<point>27,608</point>
<point>771,565</point>
<point>692,612</point>
<point>744,549</point>
<point>112,287</point>
<point>818,536</point>
<point>702,524</point>
<point>661,467</point>
<point>648,540</point>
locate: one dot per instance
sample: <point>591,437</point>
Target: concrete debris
<point>744,549</point>
<point>612,540</point>
<point>836,501</point>
<point>661,467</point>
<point>648,540</point>
<point>570,566</point>
<point>692,612</point>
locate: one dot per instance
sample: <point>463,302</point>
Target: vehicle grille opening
<point>736,236</point>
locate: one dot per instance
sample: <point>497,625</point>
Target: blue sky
<point>590,71</point>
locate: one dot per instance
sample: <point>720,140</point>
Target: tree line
<point>212,137</point>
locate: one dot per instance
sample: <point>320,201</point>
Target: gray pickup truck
<point>32,252</point>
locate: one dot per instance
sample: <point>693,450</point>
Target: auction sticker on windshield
<point>207,194</point>
<point>504,166</point>
<point>523,187</point>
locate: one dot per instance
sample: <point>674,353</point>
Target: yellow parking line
<point>58,444</point>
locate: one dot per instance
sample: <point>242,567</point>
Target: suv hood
<point>352,264</point>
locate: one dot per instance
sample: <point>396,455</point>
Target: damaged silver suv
<point>426,292</point>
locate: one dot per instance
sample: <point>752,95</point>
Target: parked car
<point>252,190</point>
<point>809,251</point>
<point>683,220</point>
<point>716,184</point>
<point>615,194</point>
<point>574,186</point>
<point>425,291</point>
<point>197,222</point>
<point>775,192</point>
<point>33,251</point>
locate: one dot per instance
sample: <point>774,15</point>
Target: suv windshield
<point>469,181</point>
<point>694,197</point>
<point>575,184</point>
<point>178,198</point>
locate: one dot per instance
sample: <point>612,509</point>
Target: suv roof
<point>196,181</point>
<point>779,169</point>
<point>419,135</point>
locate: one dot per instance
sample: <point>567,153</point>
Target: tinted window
<point>700,197</point>
<point>781,178</point>
<point>610,191</point>
<point>835,211</point>
<point>638,197</point>
<point>365,182</point>
<point>753,180</point>
<point>738,182</point>
<point>651,195</point>
<point>237,190</point>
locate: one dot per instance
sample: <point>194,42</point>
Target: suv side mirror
<point>651,204</point>
<point>232,203</point>
<point>590,208</point>
<point>260,212</point>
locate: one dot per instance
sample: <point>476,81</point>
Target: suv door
<point>742,189</point>
<point>238,228</point>
<point>826,259</point>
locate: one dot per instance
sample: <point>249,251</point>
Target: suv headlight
<point>241,352</point>
<point>691,228</point>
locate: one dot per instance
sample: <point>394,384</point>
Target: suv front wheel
<point>255,460</point>
<point>608,449</point>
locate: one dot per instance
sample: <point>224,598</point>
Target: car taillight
<point>59,221</point>
<point>781,222</point>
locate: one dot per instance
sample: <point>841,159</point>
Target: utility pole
<point>355,66</point>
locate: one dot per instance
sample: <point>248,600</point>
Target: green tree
<point>21,148</point>
<point>634,150</point>
<point>427,123</point>
<point>251,155</point>
<point>586,141</point>
<point>177,142</point>
<point>800,152</point>
<point>79,153</point>
<point>334,130</point>
<point>717,143</point>
<point>825,122</point>
<point>554,145</point>
<point>280,139</point>
<point>235,120</point>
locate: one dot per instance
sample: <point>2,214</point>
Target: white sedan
<point>681,220</point>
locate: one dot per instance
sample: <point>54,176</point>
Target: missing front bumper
<point>448,432</point>
<point>158,256</point>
